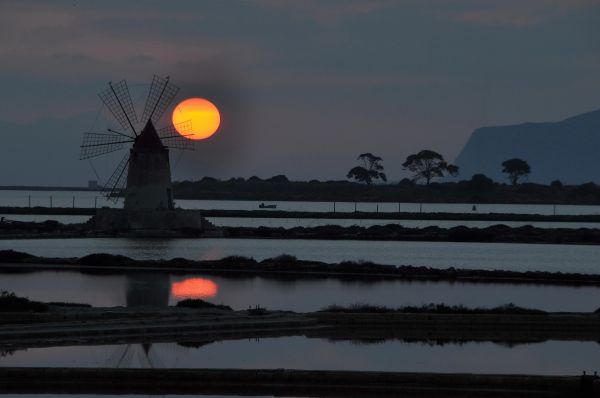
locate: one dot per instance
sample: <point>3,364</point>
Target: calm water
<point>131,396</point>
<point>301,295</point>
<point>550,358</point>
<point>565,258</point>
<point>94,198</point>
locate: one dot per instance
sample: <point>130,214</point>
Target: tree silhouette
<point>370,170</point>
<point>515,169</point>
<point>480,182</point>
<point>427,165</point>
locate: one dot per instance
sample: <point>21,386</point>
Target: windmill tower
<point>143,176</point>
<point>149,173</point>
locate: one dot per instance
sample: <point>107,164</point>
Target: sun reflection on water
<point>194,288</point>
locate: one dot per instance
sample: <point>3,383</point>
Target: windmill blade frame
<point>160,95</point>
<point>175,136</point>
<point>97,144</point>
<point>118,179</point>
<point>118,101</point>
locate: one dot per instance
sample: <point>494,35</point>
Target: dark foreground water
<point>550,358</point>
<point>302,295</point>
<point>124,396</point>
<point>510,256</point>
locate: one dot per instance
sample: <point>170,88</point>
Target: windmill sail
<point>117,181</point>
<point>118,101</point>
<point>176,136</point>
<point>97,144</point>
<point>159,98</point>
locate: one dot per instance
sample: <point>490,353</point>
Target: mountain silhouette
<point>567,150</point>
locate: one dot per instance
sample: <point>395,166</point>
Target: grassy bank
<point>279,189</point>
<point>289,267</point>
<point>280,382</point>
<point>392,231</point>
<point>203,323</point>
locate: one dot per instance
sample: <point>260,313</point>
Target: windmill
<point>143,176</point>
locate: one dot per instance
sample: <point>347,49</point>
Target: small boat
<point>264,206</point>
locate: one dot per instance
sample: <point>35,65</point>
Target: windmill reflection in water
<point>155,290</point>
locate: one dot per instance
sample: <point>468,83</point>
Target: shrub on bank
<point>103,259</point>
<point>70,305</point>
<point>284,258</point>
<point>358,307</point>
<point>12,256</point>
<point>509,309</point>
<point>201,304</point>
<point>9,302</point>
<point>238,260</point>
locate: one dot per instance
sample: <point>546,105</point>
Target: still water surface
<point>509,256</point>
<point>301,295</point>
<point>122,396</point>
<point>549,358</point>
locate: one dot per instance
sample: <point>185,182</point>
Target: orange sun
<point>196,118</point>
<point>194,288</point>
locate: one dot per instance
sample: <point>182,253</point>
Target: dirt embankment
<point>79,326</point>
<point>393,231</point>
<point>333,215</point>
<point>284,382</point>
<point>396,232</point>
<point>84,326</point>
<point>441,328</point>
<point>286,266</point>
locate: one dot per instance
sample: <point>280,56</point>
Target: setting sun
<point>201,113</point>
<point>194,288</point>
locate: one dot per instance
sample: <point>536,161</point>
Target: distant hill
<point>568,150</point>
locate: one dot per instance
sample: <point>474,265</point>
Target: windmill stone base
<point>150,220</point>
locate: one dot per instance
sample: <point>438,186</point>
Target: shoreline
<point>65,326</point>
<point>286,266</point>
<point>284,382</point>
<point>498,233</point>
<point>80,326</point>
<point>335,215</point>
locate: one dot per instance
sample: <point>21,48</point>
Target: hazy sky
<point>304,86</point>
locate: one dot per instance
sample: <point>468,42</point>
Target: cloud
<point>299,78</point>
<point>320,81</point>
<point>71,57</point>
<point>515,13</point>
<point>327,11</point>
<point>142,59</point>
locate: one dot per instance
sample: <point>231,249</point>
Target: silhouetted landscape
<point>564,151</point>
<point>479,189</point>
<point>269,198</point>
